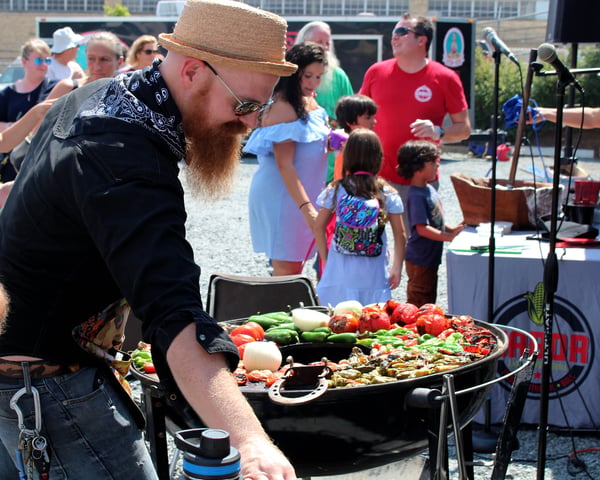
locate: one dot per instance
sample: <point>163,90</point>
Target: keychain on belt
<point>33,447</point>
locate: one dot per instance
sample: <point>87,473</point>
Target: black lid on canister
<point>208,454</point>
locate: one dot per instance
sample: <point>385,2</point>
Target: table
<point>519,266</point>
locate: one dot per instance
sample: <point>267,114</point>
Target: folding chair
<point>235,296</point>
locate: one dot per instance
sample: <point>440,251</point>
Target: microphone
<point>547,54</point>
<point>493,39</point>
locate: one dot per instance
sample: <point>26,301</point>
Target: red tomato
<point>251,328</point>
<point>404,313</point>
<point>390,306</point>
<point>430,308</point>
<point>432,323</point>
<point>343,322</point>
<point>373,320</point>
<point>241,339</point>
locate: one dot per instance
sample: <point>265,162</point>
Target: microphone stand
<point>550,286</point>
<point>487,438</point>
<point>492,240</point>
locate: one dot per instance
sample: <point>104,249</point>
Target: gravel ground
<point>219,233</point>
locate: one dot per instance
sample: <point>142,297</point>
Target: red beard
<point>213,153</point>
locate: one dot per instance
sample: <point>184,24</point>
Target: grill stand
<point>446,400</point>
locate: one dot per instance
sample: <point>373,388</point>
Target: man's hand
<point>261,460</point>
<point>424,129</point>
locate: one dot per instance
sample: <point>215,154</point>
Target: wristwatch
<point>440,132</point>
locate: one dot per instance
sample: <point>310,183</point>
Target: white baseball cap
<point>65,38</point>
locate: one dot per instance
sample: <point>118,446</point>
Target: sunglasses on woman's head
<point>149,52</point>
<point>38,61</point>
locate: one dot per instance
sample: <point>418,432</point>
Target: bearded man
<point>95,223</point>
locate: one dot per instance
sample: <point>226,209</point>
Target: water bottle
<point>207,454</point>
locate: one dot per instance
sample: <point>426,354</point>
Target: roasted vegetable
<point>282,336</point>
<point>314,337</point>
<point>267,320</point>
<point>342,338</point>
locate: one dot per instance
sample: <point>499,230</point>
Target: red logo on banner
<point>572,346</point>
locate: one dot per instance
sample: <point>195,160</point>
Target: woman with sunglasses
<point>291,146</point>
<point>141,54</point>
<point>18,98</point>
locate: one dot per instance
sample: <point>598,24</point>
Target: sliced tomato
<point>250,328</point>
<point>240,376</point>
<point>259,375</point>
<point>446,333</point>
<point>271,379</point>
<point>149,367</point>
<point>241,348</point>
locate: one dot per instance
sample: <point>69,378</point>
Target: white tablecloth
<point>519,266</point>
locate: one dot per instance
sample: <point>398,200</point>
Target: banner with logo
<point>575,375</point>
<point>454,46</point>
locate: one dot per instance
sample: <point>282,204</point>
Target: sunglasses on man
<point>244,107</point>
<point>402,31</point>
<point>38,61</point>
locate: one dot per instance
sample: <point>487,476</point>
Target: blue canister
<point>207,454</point>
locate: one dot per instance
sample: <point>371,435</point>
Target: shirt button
<point>202,337</point>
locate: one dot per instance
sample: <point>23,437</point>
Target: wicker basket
<point>474,196</point>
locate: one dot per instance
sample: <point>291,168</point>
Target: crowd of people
<point>98,197</point>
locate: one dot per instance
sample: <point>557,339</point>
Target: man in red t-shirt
<point>414,94</point>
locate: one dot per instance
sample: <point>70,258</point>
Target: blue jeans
<point>90,431</point>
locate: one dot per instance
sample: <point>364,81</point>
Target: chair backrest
<point>234,296</point>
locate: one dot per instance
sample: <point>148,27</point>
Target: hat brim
<point>281,69</point>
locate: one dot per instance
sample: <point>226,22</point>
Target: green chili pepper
<point>314,337</point>
<point>346,337</point>
<point>282,336</point>
<point>322,329</point>
<point>270,319</point>
<point>366,342</point>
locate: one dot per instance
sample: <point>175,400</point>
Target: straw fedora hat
<point>231,33</point>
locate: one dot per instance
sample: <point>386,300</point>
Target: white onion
<point>348,306</point>
<point>307,320</point>
<point>262,356</point>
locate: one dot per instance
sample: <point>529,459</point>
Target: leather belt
<point>37,369</point>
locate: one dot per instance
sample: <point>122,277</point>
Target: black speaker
<point>573,21</point>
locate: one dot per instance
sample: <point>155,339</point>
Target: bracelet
<point>302,204</point>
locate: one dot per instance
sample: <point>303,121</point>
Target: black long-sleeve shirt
<point>96,214</point>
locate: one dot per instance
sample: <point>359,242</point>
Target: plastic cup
<point>586,192</point>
